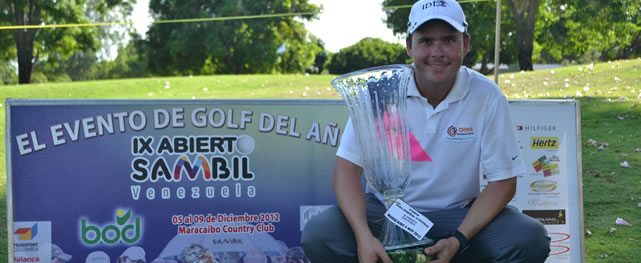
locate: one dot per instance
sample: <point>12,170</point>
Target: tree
<point>584,31</point>
<point>299,55</point>
<point>7,75</point>
<point>228,46</point>
<point>481,17</point>
<point>35,44</point>
<point>131,62</point>
<point>368,52</point>
<point>524,13</point>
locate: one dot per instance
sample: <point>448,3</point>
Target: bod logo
<point>121,231</point>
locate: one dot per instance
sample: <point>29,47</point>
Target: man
<point>462,122</point>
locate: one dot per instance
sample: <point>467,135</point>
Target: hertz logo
<point>544,143</point>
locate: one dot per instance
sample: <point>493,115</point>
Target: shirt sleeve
<point>500,154</point>
<point>349,148</point>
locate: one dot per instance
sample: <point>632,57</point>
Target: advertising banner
<point>217,180</point>
<point>549,136</point>
<point>165,180</point>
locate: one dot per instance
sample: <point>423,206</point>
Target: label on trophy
<point>407,218</point>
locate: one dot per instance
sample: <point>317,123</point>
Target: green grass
<point>609,94</point>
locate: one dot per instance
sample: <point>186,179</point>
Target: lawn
<point>609,94</point>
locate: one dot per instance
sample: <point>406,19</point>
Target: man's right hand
<point>370,250</point>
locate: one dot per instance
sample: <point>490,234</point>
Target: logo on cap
<point>434,3</point>
<point>449,11</point>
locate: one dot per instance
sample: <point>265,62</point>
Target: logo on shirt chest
<point>460,133</point>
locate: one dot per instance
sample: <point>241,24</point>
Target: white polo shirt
<point>469,134</point>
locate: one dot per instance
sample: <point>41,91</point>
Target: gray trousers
<point>510,237</point>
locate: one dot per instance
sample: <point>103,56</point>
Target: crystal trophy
<point>377,101</point>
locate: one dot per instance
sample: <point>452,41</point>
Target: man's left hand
<point>444,250</point>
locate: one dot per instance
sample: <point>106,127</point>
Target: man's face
<point>437,50</point>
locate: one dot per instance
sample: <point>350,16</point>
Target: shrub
<point>368,52</point>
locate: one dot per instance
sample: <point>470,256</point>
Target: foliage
<point>7,74</point>
<point>232,45</point>
<point>481,17</point>
<point>320,61</point>
<point>397,15</point>
<point>130,62</point>
<point>80,65</point>
<point>585,31</point>
<point>367,52</point>
<point>52,45</point>
<point>299,55</point>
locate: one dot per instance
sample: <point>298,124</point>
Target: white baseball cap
<point>97,257</point>
<point>57,252</point>
<point>449,11</point>
<point>134,253</point>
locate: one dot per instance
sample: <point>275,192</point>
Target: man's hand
<point>444,250</point>
<point>370,250</point>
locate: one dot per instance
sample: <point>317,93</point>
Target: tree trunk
<point>524,18</point>
<point>25,14</point>
<point>24,44</point>
<point>484,64</point>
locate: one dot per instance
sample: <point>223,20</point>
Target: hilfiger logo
<point>460,132</point>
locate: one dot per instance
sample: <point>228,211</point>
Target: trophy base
<point>410,253</point>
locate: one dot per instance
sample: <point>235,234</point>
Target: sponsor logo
<point>547,143</point>
<point>31,241</point>
<point>543,186</point>
<point>543,203</point>
<point>221,241</point>
<point>434,4</point>
<point>558,237</point>
<point>126,228</point>
<point>535,127</point>
<point>558,249</point>
<point>27,259</point>
<point>27,233</point>
<point>549,167</point>
<point>460,132</point>
<point>451,131</point>
<point>26,247</point>
<point>547,217</point>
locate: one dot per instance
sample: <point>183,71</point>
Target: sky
<point>342,23</point>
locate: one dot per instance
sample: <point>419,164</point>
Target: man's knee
<point>539,242</point>
<point>324,232</point>
<point>532,244</point>
<point>327,237</point>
